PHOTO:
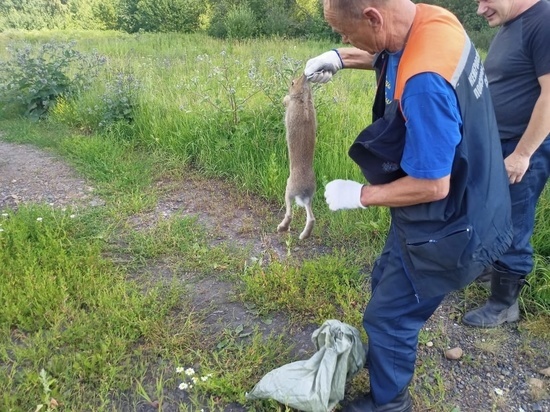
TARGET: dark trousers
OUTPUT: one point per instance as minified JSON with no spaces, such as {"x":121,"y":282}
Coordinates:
{"x":518,"y":259}
{"x":393,"y":318}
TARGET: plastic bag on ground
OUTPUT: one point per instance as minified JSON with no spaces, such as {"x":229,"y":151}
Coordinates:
{"x":316,"y":384}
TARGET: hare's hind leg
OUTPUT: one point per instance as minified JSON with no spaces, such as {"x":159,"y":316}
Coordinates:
{"x":285,"y":224}
{"x":310,"y":220}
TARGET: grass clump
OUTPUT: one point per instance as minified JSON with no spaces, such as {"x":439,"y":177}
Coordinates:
{"x":314,"y":290}
{"x":182,"y":238}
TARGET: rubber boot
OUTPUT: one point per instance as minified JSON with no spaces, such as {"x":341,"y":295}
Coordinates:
{"x":502,"y":305}
{"x":484,"y":279}
{"x":401,"y":403}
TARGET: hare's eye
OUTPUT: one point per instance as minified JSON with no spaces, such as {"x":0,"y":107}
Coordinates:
{"x":293,"y":82}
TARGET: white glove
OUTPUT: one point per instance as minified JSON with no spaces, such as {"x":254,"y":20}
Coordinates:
{"x":321,"y":68}
{"x":343,"y":194}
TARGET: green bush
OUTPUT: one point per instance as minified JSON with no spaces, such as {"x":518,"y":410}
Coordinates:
{"x":37,"y":75}
{"x":482,"y":38}
{"x":466,"y":12}
{"x":169,"y":15}
{"x":119,"y":101}
{"x":33,"y":14}
{"x":240,"y":22}
{"x":106,"y":12}
{"x":127,"y":16}
{"x":315,"y":27}
{"x":276,"y":22}
{"x":217,"y":29}
{"x":110,"y":110}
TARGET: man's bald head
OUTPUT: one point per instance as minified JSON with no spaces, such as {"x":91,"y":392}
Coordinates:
{"x":352,"y":9}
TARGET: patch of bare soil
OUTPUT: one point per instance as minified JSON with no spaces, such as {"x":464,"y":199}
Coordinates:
{"x":30,"y":175}
{"x":495,"y":373}
{"x":241,"y":220}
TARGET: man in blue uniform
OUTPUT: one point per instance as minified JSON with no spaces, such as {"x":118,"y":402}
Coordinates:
{"x":518,"y":69}
{"x":432,"y":155}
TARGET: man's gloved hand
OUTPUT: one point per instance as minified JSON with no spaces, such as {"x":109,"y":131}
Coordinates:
{"x":321,"y":68}
{"x":343,"y":194}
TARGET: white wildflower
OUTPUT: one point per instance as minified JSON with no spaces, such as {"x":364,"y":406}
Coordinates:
{"x":39,"y":219}
{"x":204,"y":378}
{"x":189,"y":371}
{"x":183,"y":386}
{"x":499,"y":391}
{"x":179,"y":369}
{"x":5,"y":215}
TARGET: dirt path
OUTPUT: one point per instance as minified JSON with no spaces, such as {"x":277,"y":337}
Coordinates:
{"x":31,"y":175}
{"x":495,"y":373}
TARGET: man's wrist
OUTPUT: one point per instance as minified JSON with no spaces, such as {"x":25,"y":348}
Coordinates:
{"x":362,"y":197}
{"x":340,"y":57}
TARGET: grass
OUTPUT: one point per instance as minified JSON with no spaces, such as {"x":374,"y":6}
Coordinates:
{"x":67,"y":310}
{"x":328,"y":284}
{"x":98,"y":313}
{"x":90,"y":330}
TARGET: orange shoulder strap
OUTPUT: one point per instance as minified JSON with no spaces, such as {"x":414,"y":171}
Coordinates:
{"x":436,"y":43}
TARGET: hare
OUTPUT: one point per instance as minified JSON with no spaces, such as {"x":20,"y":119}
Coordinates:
{"x":301,"y":127}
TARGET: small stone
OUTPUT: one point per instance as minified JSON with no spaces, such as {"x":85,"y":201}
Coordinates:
{"x":536,"y":407}
{"x":454,"y":353}
{"x":97,"y":202}
{"x":499,"y":391}
{"x":429,"y":344}
{"x":536,"y":383}
{"x":545,"y":372}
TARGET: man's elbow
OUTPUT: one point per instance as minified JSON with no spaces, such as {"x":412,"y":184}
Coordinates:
{"x":440,"y":189}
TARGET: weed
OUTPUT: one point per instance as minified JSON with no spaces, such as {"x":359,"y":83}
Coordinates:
{"x":49,"y":402}
{"x":182,"y":236}
{"x":538,"y":391}
{"x":119,"y":100}
{"x":226,"y":79}
{"x":429,"y":378}
{"x":491,"y":341}
{"x":538,"y":327}
{"x":35,"y":77}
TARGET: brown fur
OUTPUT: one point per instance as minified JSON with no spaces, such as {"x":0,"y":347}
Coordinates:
{"x":301,"y":127}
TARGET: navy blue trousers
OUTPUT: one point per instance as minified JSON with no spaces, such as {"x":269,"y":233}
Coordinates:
{"x":392,"y":319}
{"x":525,"y":195}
